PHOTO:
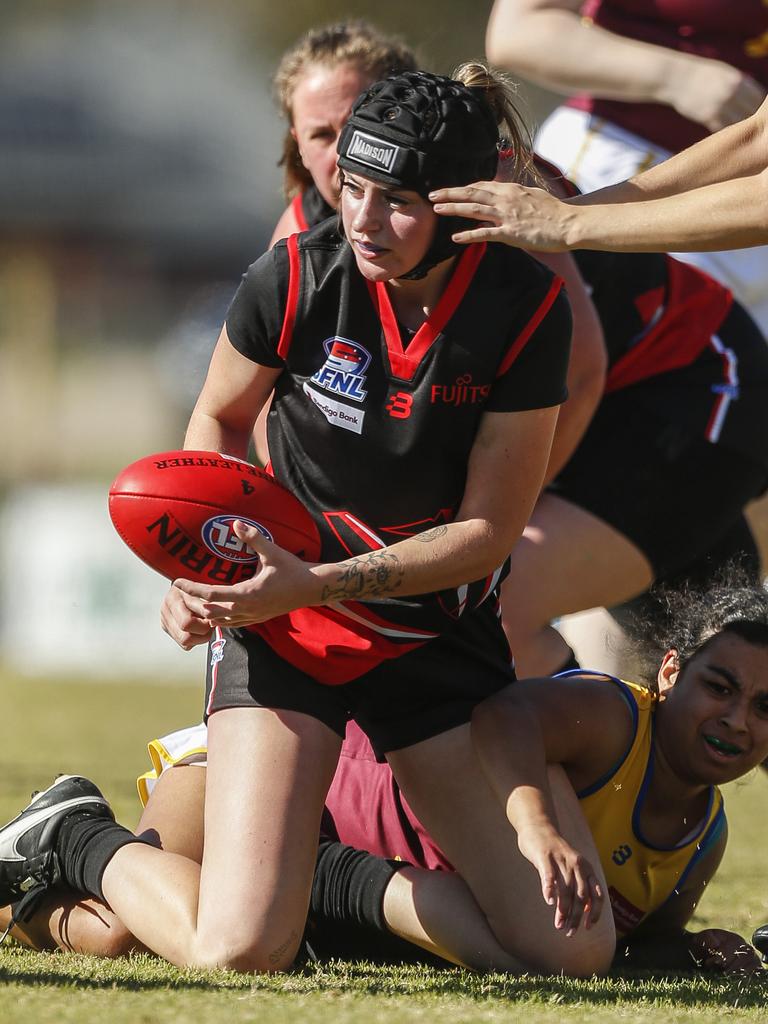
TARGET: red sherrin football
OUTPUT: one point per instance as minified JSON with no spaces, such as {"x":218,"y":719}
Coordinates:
{"x":175,"y":511}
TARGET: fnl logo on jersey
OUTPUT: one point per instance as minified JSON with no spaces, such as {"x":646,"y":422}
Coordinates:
{"x":219,"y":537}
{"x":343,"y":372}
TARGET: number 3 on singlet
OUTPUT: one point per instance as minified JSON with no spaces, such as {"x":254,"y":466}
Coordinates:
{"x":399,"y":405}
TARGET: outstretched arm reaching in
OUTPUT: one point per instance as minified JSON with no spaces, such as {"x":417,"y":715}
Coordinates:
{"x":711,"y":196}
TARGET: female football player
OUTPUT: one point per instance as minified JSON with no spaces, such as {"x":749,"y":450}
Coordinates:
{"x":416,"y":395}
{"x":646,"y":762}
{"x":623,"y":543}
{"x":315,"y":85}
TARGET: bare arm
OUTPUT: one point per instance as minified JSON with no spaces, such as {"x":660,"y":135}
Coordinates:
{"x":504,"y":477}
{"x":586,"y":367}
{"x":547,"y":41}
{"x":732,"y":214}
{"x":233,"y":394}
{"x":713,"y":195}
{"x":516,"y":734}
{"x":727,"y":215}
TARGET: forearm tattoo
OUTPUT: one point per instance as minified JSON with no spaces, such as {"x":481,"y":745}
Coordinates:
{"x":430,"y":535}
{"x":374,"y":575}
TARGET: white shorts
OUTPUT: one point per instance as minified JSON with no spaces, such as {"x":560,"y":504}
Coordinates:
{"x":185,"y":746}
{"x":593,"y":153}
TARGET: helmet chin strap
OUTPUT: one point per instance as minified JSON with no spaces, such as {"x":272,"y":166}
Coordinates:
{"x":442,"y":247}
{"x":419,"y":131}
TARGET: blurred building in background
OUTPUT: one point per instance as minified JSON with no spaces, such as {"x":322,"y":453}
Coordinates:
{"x":138,"y":171}
{"x":138,"y":179}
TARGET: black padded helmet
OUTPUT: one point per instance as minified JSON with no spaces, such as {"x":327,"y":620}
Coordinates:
{"x":419,"y":131}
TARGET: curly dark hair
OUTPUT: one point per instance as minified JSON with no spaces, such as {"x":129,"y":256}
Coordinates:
{"x":684,"y":618}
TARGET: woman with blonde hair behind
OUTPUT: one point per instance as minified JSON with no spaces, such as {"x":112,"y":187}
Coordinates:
{"x":315,"y":85}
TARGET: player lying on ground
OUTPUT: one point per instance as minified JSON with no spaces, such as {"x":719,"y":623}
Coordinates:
{"x":645,"y":762}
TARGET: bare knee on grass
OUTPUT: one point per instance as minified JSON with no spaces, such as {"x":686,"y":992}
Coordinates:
{"x":90,"y":927}
{"x":75,"y":925}
{"x":261,"y":833}
{"x":239,"y":952}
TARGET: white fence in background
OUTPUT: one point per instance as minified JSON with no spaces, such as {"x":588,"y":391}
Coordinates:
{"x":73,"y":599}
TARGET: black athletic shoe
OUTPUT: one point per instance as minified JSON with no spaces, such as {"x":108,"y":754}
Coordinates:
{"x":760,"y":941}
{"x":29,"y":864}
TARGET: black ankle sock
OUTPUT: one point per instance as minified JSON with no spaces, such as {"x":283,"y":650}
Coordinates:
{"x":569,"y":664}
{"x":349,"y":885}
{"x":85,"y":845}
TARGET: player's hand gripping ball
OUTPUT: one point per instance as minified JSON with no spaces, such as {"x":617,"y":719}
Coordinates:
{"x":175,"y":511}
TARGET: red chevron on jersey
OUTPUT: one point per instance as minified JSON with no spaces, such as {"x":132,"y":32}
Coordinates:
{"x":680,"y":320}
{"x":440,"y":518}
{"x":338,"y":643}
{"x":405,"y":362}
{"x":349,"y":531}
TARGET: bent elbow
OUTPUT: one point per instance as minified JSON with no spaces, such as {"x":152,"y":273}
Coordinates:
{"x":505,"y":35}
{"x":504,"y":50}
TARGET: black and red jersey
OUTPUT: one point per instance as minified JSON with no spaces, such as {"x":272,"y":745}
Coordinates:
{"x":671,"y":325}
{"x":372,"y":428}
{"x":309,"y":208}
{"x":657,"y":313}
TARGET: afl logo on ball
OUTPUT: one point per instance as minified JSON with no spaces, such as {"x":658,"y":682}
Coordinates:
{"x":219,"y":537}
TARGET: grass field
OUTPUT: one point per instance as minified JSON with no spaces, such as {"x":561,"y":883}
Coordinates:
{"x":101,"y":730}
